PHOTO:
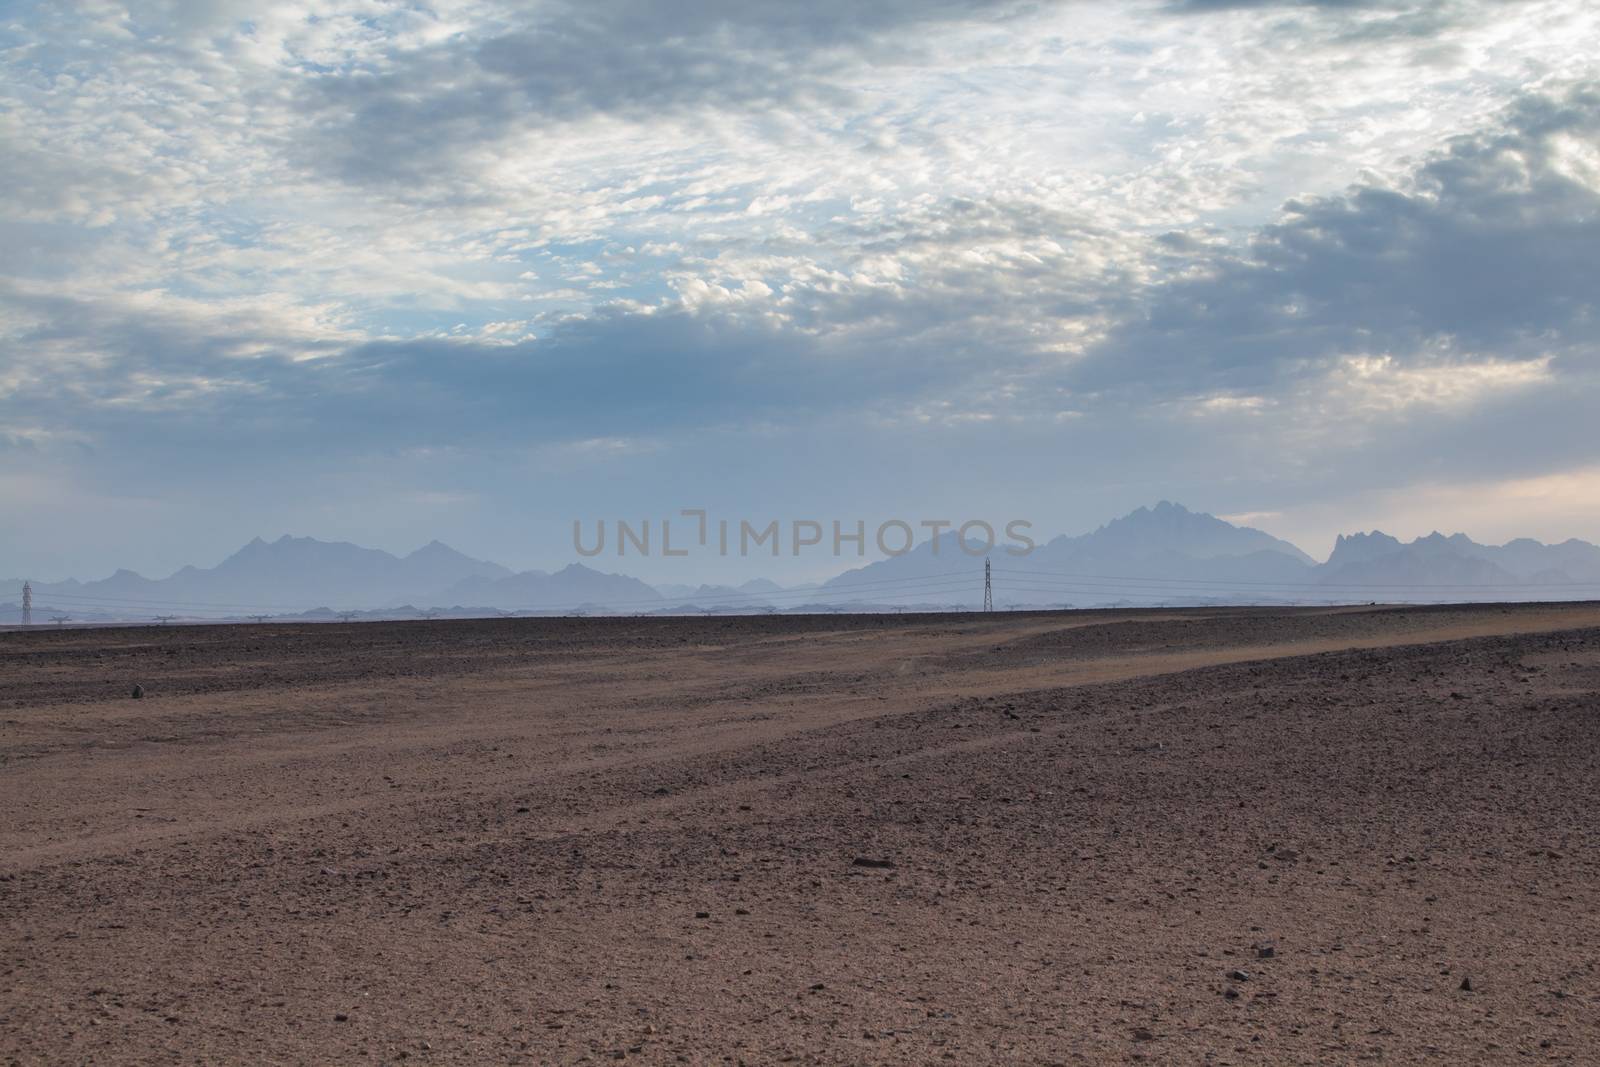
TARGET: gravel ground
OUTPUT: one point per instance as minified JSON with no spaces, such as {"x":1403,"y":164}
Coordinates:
{"x":1173,"y":836}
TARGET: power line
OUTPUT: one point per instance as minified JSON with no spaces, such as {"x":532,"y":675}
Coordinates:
{"x":152,"y":601}
{"x":1308,"y":594}
{"x":931,"y":586}
{"x":887,"y":586}
{"x":1148,"y":580}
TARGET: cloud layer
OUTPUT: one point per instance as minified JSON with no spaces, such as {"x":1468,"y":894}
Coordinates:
{"x":1250,"y":255}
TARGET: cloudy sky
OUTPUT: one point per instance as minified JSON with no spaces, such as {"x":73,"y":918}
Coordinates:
{"x":389,"y":271}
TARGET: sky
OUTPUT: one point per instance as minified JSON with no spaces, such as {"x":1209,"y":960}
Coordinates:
{"x":388,"y":272}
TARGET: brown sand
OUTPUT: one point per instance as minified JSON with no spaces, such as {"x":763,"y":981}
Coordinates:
{"x":664,"y":840}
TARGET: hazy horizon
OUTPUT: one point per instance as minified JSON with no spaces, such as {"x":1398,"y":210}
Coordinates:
{"x":1160,"y":552}
{"x":701,"y":569}
{"x":733,"y":571}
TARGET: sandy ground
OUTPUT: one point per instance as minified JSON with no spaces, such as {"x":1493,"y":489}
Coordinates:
{"x":1241,"y":836}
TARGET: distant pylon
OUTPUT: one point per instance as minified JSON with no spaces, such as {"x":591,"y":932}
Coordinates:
{"x":988,"y":587}
{"x":27,"y":603}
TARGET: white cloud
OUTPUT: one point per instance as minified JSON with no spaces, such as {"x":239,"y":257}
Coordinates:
{"x":1384,"y":385}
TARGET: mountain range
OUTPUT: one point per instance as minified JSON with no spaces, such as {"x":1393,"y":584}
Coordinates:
{"x":1164,"y":554}
{"x":1168,"y":554}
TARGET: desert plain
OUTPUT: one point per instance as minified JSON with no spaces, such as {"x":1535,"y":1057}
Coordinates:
{"x":1203,"y":836}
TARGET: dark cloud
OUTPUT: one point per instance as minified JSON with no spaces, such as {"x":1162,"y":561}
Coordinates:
{"x":1491,"y":249}
{"x":181,"y":383}
{"x":611,"y":374}
{"x":1358,"y":22}
{"x":626,"y":58}
{"x":1236,"y":5}
{"x":427,"y":115}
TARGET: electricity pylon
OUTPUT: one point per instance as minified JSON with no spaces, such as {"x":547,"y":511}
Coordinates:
{"x":988,"y":587}
{"x":27,"y":603}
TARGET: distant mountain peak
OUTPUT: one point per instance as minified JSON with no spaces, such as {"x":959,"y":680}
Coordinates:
{"x":760,"y":585}
{"x":1374,"y":535}
{"x":1162,"y":509}
{"x":435,"y":548}
{"x":1362,"y":547}
{"x":1173,"y":528}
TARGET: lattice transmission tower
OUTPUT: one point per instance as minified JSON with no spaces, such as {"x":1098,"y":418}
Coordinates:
{"x":27,"y":603}
{"x":988,"y":586}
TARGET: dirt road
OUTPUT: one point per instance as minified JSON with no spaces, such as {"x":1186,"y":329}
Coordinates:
{"x":1230,"y":836}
